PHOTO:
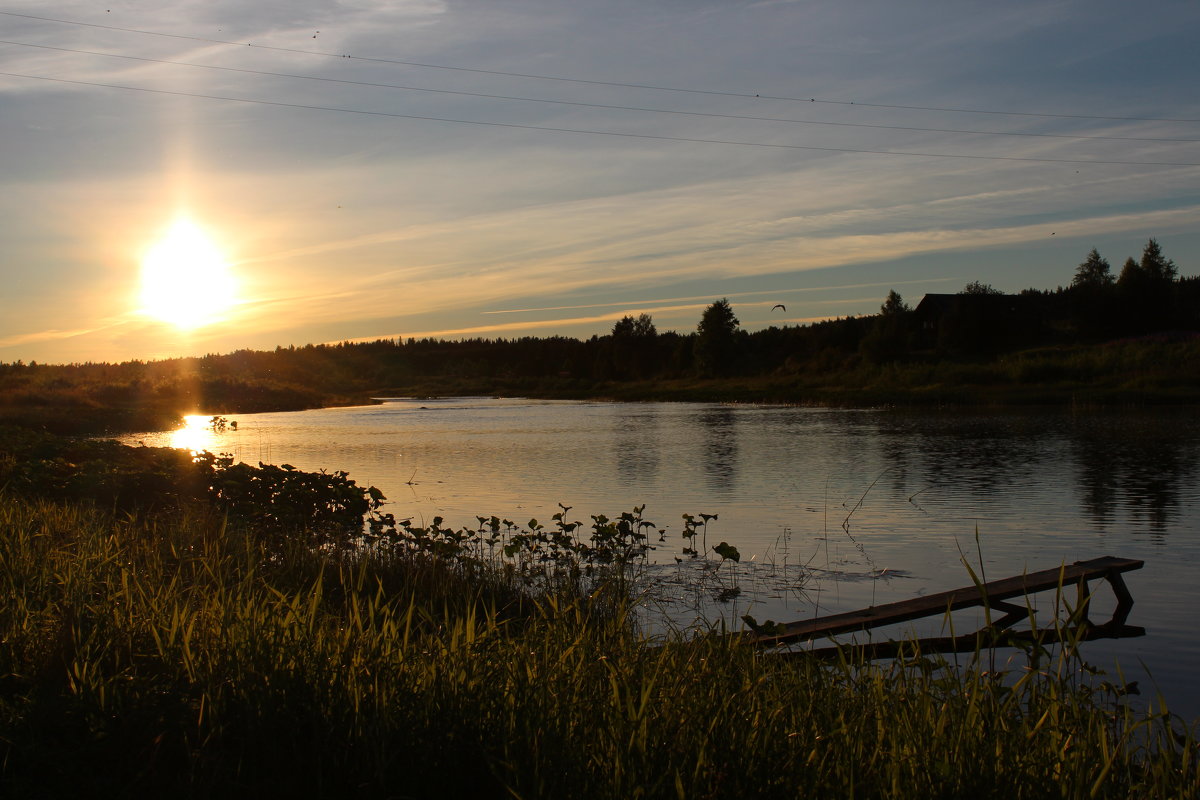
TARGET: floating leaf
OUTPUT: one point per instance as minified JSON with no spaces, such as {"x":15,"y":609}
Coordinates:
{"x":727,"y":552}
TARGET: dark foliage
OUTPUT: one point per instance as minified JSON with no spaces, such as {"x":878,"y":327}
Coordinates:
{"x":276,"y":499}
{"x":717,"y":340}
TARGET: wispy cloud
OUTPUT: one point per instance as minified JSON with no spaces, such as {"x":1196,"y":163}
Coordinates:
{"x":52,"y":335}
{"x":567,"y":273}
{"x":774,"y":293}
{"x":563,"y":323}
{"x":58,"y":335}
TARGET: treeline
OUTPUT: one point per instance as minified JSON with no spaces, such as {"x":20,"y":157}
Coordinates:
{"x":978,"y":325}
{"x":1146,"y":297}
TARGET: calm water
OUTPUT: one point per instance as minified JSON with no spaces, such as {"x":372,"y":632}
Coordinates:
{"x":831,"y":509}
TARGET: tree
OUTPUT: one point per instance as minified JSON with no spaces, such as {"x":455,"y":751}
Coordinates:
{"x":624,"y":328}
{"x":1146,"y":289}
{"x":975,"y":287}
{"x":643,"y":327}
{"x":894,"y":304}
{"x":716,"y":339}
{"x":1155,"y":266}
{"x":1092,"y":298}
{"x":1131,"y":273}
{"x":1094,"y":272}
{"x":640,"y":328}
{"x":633,"y":343}
{"x":888,"y":339}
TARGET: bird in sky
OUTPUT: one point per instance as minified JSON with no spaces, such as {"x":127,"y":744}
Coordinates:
{"x":780,"y":306}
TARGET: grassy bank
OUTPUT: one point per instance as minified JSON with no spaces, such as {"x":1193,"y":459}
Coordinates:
{"x":153,"y":655}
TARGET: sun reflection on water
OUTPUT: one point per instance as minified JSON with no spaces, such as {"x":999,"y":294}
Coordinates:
{"x":197,"y":434}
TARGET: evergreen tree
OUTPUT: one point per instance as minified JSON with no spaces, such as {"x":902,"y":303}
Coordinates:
{"x":1094,"y":272}
{"x":1146,"y":289}
{"x":1131,"y":273}
{"x":1155,"y":266}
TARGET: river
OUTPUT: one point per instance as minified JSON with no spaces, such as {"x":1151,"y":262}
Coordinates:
{"x":830,"y":509}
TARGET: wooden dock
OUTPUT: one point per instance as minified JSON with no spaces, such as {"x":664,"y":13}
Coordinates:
{"x":991,"y":595}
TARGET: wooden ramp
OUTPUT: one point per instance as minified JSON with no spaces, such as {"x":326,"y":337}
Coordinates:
{"x":991,"y":595}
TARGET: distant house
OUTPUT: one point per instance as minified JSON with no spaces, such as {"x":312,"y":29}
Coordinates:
{"x":976,"y":323}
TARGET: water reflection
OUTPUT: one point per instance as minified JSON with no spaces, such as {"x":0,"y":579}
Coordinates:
{"x":897,"y":454}
{"x":636,"y":446}
{"x":196,"y":434}
{"x":1131,"y":467}
{"x":720,"y":457}
{"x":1108,"y":469}
{"x":988,"y":456}
{"x":1139,"y":466}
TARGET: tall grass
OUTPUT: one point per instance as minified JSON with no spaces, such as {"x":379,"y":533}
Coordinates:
{"x":181,"y":656}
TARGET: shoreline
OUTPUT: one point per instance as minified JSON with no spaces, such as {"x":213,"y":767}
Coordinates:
{"x":116,"y":421}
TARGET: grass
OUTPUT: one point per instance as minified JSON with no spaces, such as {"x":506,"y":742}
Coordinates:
{"x":153,"y":655}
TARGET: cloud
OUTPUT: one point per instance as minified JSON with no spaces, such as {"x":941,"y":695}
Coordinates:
{"x":566,"y":324}
{"x":57,"y":334}
{"x":51,"y":335}
{"x":782,"y":291}
{"x":500,"y":328}
{"x":339,"y":221}
{"x":591,"y":265}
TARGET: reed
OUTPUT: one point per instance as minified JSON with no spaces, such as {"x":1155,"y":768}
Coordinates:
{"x":182,"y":655}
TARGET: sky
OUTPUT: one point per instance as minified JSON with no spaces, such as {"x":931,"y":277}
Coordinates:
{"x":311,"y":171}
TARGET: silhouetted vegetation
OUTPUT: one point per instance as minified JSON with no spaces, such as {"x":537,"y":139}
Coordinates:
{"x":1131,"y":339}
{"x":717,"y":341}
{"x":168,"y":641}
{"x":278,"y":499}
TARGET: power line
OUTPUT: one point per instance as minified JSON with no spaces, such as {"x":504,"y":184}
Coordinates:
{"x":534,"y":76}
{"x":746,"y":117}
{"x":591,"y":132}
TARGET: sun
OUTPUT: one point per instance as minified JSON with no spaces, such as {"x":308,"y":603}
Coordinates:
{"x":185,"y":278}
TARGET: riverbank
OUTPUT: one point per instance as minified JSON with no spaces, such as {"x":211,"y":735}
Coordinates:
{"x":192,"y":655}
{"x":1150,"y":371}
{"x":1155,"y":370}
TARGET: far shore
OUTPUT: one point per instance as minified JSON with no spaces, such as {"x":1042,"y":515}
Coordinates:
{"x":98,"y":422}
{"x":1153,"y":371}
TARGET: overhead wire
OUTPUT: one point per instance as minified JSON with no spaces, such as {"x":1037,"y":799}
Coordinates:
{"x":587,"y":131}
{"x":535,"y":76}
{"x":606,"y":106}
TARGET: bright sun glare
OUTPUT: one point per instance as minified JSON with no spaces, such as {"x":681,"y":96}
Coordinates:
{"x":195,"y":435}
{"x":185,"y":280}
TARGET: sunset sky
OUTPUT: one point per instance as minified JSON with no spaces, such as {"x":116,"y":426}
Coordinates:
{"x":309,"y":171}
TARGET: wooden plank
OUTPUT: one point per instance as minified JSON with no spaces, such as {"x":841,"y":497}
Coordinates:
{"x":969,"y":642}
{"x":992,"y":594}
